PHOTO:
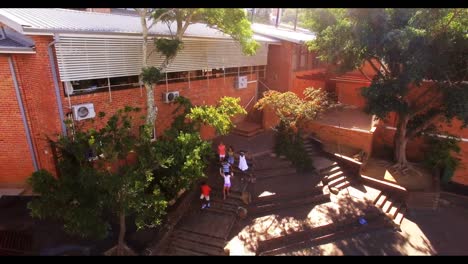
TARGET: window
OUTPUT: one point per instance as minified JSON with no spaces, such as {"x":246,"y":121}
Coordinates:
{"x":101,"y":85}
{"x":303,"y":60}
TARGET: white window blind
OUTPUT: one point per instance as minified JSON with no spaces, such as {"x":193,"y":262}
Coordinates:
{"x":81,"y":58}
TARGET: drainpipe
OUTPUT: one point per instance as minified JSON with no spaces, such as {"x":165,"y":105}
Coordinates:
{"x":295,"y":19}
{"x":56,"y":84}
{"x":23,"y":116}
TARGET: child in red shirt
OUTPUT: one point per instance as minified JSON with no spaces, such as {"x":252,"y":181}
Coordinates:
{"x":221,"y":151}
{"x":205,"y":195}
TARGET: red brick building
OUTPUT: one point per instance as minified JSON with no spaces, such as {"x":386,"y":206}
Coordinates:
{"x":73,"y":64}
{"x":348,"y":130}
{"x":61,"y":60}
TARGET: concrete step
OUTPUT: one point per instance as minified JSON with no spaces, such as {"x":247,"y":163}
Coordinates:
{"x":250,"y":132}
{"x":268,"y":208}
{"x":337,"y":180}
{"x":399,"y":218}
{"x":272,"y":176}
{"x":377,"y":198}
{"x":182,"y":243}
{"x":343,"y":185}
{"x":392,"y":213}
{"x":321,"y":235}
{"x":381,"y":201}
{"x":328,"y":168}
{"x":285,"y":197}
{"x":199,"y":238}
{"x":329,"y":171}
{"x":274,"y":172}
{"x":387,"y":206}
{"x":334,"y":177}
{"x":183,"y":252}
{"x":221,"y":211}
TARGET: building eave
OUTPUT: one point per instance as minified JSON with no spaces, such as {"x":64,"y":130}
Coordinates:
{"x":16,"y":50}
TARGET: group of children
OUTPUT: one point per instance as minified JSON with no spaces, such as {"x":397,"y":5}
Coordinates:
{"x":226,"y":171}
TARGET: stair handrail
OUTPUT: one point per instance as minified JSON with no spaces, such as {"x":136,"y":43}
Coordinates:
{"x":264,"y":84}
{"x":251,"y":99}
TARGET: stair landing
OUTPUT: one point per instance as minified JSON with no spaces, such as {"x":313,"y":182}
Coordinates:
{"x":247,"y":129}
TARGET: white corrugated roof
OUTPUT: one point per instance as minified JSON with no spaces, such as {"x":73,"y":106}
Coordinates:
{"x":283,"y":33}
{"x":46,"y":20}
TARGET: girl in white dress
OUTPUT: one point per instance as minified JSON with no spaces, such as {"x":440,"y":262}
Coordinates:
{"x":243,"y":162}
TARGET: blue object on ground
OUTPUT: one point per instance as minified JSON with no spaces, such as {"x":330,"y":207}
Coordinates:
{"x":362,"y":221}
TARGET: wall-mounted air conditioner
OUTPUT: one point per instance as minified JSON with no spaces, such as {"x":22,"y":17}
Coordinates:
{"x":170,"y":96}
{"x":83,"y":111}
{"x":241,"y":82}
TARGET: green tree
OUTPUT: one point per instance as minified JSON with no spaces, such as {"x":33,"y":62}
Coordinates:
{"x":294,"y":113}
{"x":291,"y":109}
{"x":405,"y":47}
{"x":231,"y":21}
{"x":439,"y":156}
{"x":97,"y":179}
{"x":218,"y":116}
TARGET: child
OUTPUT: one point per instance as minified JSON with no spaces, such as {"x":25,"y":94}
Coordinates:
{"x":231,"y":155}
{"x":243,"y":162}
{"x":205,"y":195}
{"x":227,"y":183}
{"x":221,"y":151}
{"x":225,"y":166}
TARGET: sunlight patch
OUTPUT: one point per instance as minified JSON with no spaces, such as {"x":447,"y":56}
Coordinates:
{"x":266,"y":193}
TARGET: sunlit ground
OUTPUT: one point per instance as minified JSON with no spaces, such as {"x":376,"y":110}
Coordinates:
{"x":411,"y":241}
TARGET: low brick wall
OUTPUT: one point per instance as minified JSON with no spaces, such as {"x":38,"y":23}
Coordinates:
{"x":359,"y":139}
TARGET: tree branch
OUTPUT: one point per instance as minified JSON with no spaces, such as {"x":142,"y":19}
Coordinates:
{"x":423,"y":126}
{"x":444,"y":28}
{"x":184,"y":28}
{"x":382,"y":65}
{"x":155,"y":20}
{"x":426,"y":104}
{"x":375,"y":68}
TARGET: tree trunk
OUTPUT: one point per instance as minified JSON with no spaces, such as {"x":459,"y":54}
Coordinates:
{"x":121,"y":241}
{"x":152,"y":109}
{"x":401,"y":140}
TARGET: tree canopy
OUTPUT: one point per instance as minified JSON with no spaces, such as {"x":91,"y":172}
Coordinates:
{"x":419,"y":48}
{"x":292,"y":110}
{"x":231,"y":21}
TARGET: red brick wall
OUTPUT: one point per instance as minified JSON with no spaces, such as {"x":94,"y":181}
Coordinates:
{"x":200,"y":92}
{"x":279,"y":70}
{"x":415,"y":149}
{"x":37,"y":87}
{"x":15,"y":158}
{"x":35,"y":78}
{"x":350,"y":93}
{"x":270,"y":119}
{"x":306,"y":79}
{"x":347,"y":137}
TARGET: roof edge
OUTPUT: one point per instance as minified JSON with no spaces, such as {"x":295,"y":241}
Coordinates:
{"x":16,"y":50}
{"x":10,"y":23}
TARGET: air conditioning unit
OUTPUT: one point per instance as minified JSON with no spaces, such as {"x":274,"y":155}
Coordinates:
{"x":241,"y":82}
{"x":170,"y":96}
{"x":83,"y":111}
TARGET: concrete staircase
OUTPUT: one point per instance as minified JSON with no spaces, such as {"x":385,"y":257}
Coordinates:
{"x":335,"y":178}
{"x":392,"y":207}
{"x":311,"y":237}
{"x":186,"y":242}
{"x":266,"y":205}
{"x":247,"y":129}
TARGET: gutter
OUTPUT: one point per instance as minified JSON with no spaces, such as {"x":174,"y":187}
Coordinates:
{"x":23,"y":116}
{"x":17,"y":50}
{"x":56,"y":84}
